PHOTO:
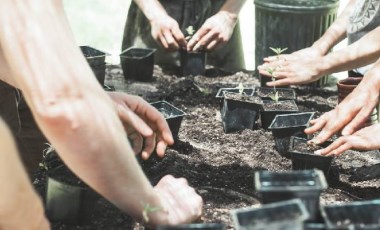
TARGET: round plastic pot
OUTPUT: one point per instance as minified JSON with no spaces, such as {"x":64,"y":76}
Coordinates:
{"x":268,"y":114}
{"x":307,"y":159}
{"x":304,"y":184}
{"x":69,"y":204}
{"x":285,"y":215}
{"x":238,"y":115}
{"x":172,"y":114}
{"x":284,"y":93}
{"x":355,"y":215}
{"x":292,"y":24}
{"x":208,"y":226}
{"x":138,"y":63}
{"x":192,"y":63}
{"x":286,"y":125}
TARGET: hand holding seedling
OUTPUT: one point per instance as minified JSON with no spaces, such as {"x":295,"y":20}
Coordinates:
{"x":166,"y":32}
{"x":141,"y":120}
{"x":216,"y":31}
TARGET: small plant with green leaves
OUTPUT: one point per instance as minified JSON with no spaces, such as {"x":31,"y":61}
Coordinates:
{"x":278,"y":51}
{"x":275,"y":97}
{"x":241,"y":89}
{"x":147,"y":209}
{"x":190,"y":32}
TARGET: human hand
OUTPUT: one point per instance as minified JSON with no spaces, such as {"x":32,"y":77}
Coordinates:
{"x":166,"y":32}
{"x":307,"y":53}
{"x":180,"y":203}
{"x":349,"y":115}
{"x":140,"y":118}
{"x":216,"y":30}
{"x":364,"y":139}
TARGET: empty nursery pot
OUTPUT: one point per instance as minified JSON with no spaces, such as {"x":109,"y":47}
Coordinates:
{"x":345,"y":87}
{"x":173,"y":116}
{"x":221,"y":91}
{"x":208,"y":226}
{"x":304,"y":184}
{"x":355,"y":215}
{"x":287,"y":125}
{"x":272,"y":108}
{"x":96,"y":60}
{"x":285,"y":215}
{"x":239,"y":112}
{"x":266,"y":93}
{"x":303,"y":157}
{"x":68,"y":200}
{"x":138,"y":63}
{"x":192,"y":63}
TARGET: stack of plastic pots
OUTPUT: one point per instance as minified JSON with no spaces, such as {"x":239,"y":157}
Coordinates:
{"x":304,"y":184}
{"x":97,"y":61}
{"x":138,"y":63}
{"x":285,"y":215}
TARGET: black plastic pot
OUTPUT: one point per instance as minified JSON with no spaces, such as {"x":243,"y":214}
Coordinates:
{"x":285,"y":215}
{"x":67,"y":203}
{"x":287,"y":125}
{"x":355,"y":215}
{"x":284,"y":93}
{"x":314,"y":226}
{"x":273,"y":108}
{"x":239,"y":112}
{"x":96,"y":60}
{"x":138,"y":63}
{"x":306,"y":159}
{"x":304,"y":184}
{"x":173,"y":116}
{"x":192,"y":63}
{"x":221,"y":91}
{"x":208,"y":226}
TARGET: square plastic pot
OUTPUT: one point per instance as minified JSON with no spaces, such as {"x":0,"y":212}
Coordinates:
{"x":207,"y":226}
{"x":221,"y":91}
{"x":138,"y":63}
{"x":285,"y":215}
{"x":284,"y":93}
{"x":96,"y":60}
{"x":314,"y":226}
{"x":272,"y":108}
{"x":192,"y":63}
{"x":172,"y":114}
{"x":304,"y":184}
{"x":355,"y":215}
{"x":239,"y":112}
{"x":306,"y":159}
{"x":287,"y":125}
{"x":67,"y":203}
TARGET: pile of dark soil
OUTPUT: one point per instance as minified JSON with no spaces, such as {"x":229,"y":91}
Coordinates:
{"x":220,"y":166}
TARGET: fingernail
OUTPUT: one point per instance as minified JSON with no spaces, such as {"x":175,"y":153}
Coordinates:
{"x":318,"y":152}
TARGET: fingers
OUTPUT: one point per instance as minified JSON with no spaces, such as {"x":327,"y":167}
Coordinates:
{"x":150,"y":144}
{"x":136,"y":142}
{"x":357,"y":122}
{"x":179,"y":37}
{"x":317,"y":124}
{"x":196,"y":38}
{"x":337,"y":147}
{"x":129,"y":117}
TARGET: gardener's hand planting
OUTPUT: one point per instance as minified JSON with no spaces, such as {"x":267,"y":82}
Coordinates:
{"x":364,"y":139}
{"x":140,"y":118}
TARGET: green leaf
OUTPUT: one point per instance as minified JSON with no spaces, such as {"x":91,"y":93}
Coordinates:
{"x":190,"y":30}
{"x":241,"y":88}
{"x":275,"y":97}
{"x":278,"y":51}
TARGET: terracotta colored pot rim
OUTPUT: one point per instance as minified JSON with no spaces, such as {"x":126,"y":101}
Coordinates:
{"x":350,"y":82}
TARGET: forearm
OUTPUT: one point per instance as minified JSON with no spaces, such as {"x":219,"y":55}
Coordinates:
{"x":21,"y":208}
{"x":336,"y":32}
{"x":152,"y":9}
{"x":363,"y":52}
{"x":68,"y":104}
{"x":232,"y":8}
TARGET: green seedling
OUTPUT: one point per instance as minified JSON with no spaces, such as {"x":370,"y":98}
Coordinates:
{"x":278,"y":51}
{"x":241,"y":88}
{"x":275,"y":97}
{"x":147,"y":209}
{"x":190,"y":31}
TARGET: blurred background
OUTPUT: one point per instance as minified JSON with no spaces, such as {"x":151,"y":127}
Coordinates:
{"x":100,"y":24}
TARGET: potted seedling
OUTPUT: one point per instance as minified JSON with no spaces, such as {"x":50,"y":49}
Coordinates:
{"x":138,"y":63}
{"x":278,"y":52}
{"x":173,"y":116}
{"x":239,"y":111}
{"x":304,"y":184}
{"x":97,"y":61}
{"x":286,"y":125}
{"x":354,"y":215}
{"x":68,"y":199}
{"x":249,"y":91}
{"x":267,"y":93}
{"x":284,"y":215}
{"x":192,"y":62}
{"x":274,"y":107}
{"x":302,"y":154}
{"x":203,"y":226}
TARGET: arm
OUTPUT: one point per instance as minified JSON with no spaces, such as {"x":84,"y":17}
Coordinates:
{"x":75,"y":114}
{"x":218,"y":29}
{"x":352,"y":112}
{"x":165,"y":30}
{"x":18,"y":201}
